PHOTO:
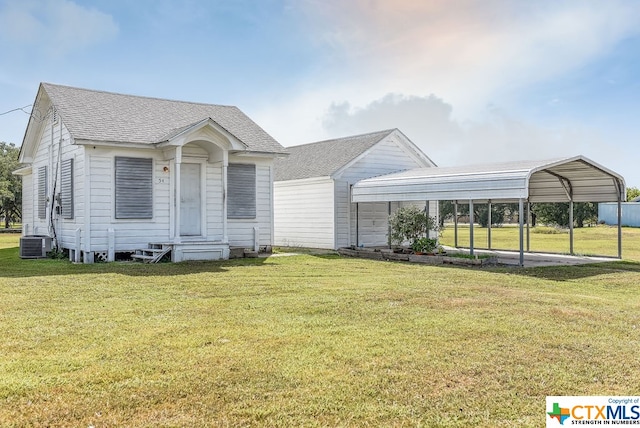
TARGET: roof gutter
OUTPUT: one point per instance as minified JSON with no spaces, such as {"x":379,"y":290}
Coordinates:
{"x":95,"y":143}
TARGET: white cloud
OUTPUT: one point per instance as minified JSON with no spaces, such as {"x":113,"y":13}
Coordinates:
{"x":53,"y":27}
{"x":470,"y":54}
{"x":428,"y":122}
{"x":466,"y":51}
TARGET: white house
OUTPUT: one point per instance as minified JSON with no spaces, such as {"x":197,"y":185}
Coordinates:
{"x":108,"y":173}
{"x":312,"y":190}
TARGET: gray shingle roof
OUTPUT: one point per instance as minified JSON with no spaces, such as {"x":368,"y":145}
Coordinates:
{"x":324,"y":158}
{"x":111,"y":117}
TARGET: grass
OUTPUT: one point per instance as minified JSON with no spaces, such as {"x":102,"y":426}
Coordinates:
{"x":309,"y":340}
{"x":600,"y":240}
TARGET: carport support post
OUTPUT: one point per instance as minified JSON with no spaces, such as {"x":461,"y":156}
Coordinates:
{"x":521,"y":220}
{"x":489,"y":224}
{"x":471,"y":227}
{"x":571,"y":227}
{"x":455,"y":224}
{"x":528,"y":222}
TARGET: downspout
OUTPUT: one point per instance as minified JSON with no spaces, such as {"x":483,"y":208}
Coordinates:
{"x":55,"y":179}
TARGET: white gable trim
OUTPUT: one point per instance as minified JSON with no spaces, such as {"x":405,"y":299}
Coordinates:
{"x":404,"y":143}
{"x":207,"y":130}
{"x":35,"y":126}
{"x":413,"y":150}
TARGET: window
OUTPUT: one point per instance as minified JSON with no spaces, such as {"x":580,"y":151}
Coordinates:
{"x":42,"y":192}
{"x":66,"y":188}
{"x":134,"y":188}
{"x":241,"y":191}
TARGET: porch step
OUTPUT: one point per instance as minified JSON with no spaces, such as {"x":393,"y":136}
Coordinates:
{"x":153,"y":254}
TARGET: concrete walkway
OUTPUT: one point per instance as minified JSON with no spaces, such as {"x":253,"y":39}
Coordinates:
{"x":536,"y":259}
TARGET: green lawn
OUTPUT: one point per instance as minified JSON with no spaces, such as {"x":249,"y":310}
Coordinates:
{"x":308,"y":340}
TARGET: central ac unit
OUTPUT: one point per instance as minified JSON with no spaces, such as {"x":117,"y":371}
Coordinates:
{"x":34,"y":247}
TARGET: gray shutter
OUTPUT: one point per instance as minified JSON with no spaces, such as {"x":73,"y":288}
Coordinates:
{"x":42,"y":192}
{"x":241,"y":191}
{"x":134,"y":187}
{"x":66,"y":188}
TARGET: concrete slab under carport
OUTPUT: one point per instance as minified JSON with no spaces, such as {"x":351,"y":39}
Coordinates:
{"x":512,"y":258}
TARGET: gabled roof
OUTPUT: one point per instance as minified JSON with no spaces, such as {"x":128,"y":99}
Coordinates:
{"x":117,"y":118}
{"x":554,"y":180}
{"x":326,"y":158}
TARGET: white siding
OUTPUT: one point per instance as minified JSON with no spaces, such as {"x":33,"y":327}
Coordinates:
{"x":373,"y":221}
{"x":304,"y":213}
{"x":93,"y":195}
{"x":66,"y":227}
{"x":344,"y":211}
{"x":54,"y":146}
{"x":130,"y":234}
{"x":43,"y":157}
{"x":373,"y":224}
{"x":241,"y":231}
{"x":27,"y":201}
{"x":385,"y":157}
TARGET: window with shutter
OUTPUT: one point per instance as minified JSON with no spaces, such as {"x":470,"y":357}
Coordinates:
{"x":42,"y":192}
{"x":134,"y":188}
{"x":66,"y":188}
{"x":241,"y":191}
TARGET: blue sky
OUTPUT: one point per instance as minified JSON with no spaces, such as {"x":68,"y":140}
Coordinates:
{"x":467,"y":81}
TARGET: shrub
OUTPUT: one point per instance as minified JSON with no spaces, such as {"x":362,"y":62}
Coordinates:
{"x":411,"y":223}
{"x":424,"y":245}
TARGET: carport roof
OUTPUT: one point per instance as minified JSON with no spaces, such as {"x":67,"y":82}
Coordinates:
{"x":556,"y":180}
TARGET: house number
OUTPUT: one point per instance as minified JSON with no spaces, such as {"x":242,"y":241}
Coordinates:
{"x":161,"y":180}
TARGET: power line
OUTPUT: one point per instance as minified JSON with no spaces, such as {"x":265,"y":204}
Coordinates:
{"x":16,"y":109}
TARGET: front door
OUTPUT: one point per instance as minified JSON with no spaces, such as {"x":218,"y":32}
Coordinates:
{"x":190,"y":200}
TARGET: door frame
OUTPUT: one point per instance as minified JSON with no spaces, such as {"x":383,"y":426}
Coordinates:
{"x":203,"y":200}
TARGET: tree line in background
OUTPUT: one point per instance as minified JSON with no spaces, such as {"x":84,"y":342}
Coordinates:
{"x":10,"y":185}
{"x":552,"y":214}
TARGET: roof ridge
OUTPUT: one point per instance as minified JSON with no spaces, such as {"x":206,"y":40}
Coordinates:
{"x":385,"y":132}
{"x":98,"y":115}
{"x":135,"y":96}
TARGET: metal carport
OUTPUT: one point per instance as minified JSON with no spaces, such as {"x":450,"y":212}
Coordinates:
{"x":574,"y":179}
